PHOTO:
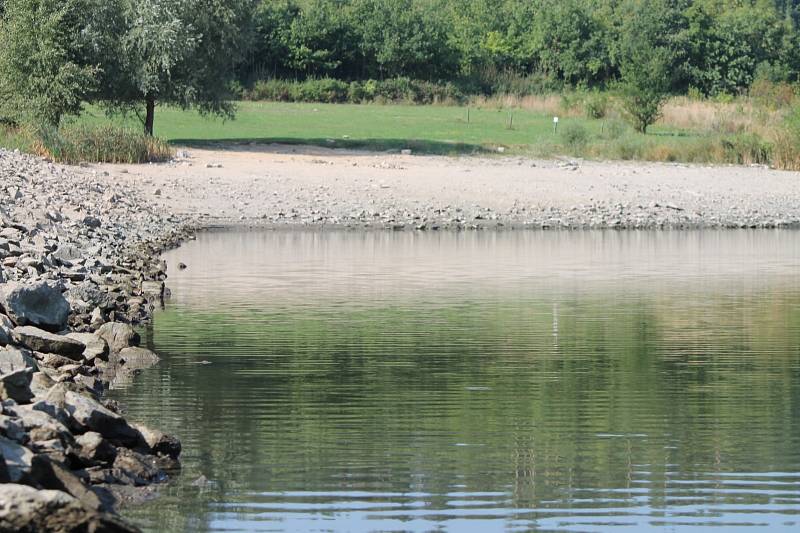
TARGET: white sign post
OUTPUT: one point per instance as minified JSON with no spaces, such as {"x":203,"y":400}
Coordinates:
{"x":555,"y":124}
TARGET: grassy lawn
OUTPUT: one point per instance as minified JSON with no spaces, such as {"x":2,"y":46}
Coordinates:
{"x":429,"y":129}
{"x":692,"y":132}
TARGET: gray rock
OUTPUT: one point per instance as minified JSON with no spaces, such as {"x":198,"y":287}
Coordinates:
{"x":118,"y":336}
{"x":43,"y":341}
{"x":17,"y":386}
{"x":12,"y":358}
{"x":26,"y":510}
{"x":94,"y":449}
{"x":159,"y":442}
{"x":18,"y":459}
{"x":88,"y":294}
{"x":12,"y":428}
{"x":41,"y":383}
{"x":136,"y":358}
{"x":67,"y":252}
{"x":96,"y":346}
{"x":5,"y":330}
{"x":36,"y":304}
{"x":41,"y":426}
{"x":137,"y":468}
{"x":52,"y":360}
{"x":50,"y":475}
{"x":92,"y":416}
{"x":92,"y":222}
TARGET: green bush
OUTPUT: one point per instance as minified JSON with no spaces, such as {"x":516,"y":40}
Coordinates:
{"x":332,"y":91}
{"x":595,"y":104}
{"x":575,"y":136}
{"x":325,"y":90}
{"x":614,"y":129}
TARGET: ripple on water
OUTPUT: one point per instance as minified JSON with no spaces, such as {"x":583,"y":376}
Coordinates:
{"x":479,"y":382}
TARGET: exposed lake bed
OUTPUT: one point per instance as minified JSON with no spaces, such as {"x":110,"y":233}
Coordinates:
{"x":478,"y":381}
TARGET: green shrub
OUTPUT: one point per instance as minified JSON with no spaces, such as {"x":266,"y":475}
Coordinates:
{"x":595,"y":104}
{"x":575,"y":135}
{"x":332,"y":91}
{"x":325,"y":90}
{"x":614,"y":129}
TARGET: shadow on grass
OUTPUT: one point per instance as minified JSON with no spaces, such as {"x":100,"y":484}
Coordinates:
{"x":371,"y":145}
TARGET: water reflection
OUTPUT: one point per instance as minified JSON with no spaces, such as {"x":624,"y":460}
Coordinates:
{"x":479,"y":382}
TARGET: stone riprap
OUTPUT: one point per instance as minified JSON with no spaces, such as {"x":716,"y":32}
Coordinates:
{"x":80,"y":265}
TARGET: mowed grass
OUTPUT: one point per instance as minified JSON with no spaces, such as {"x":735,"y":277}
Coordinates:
{"x":428,"y":129}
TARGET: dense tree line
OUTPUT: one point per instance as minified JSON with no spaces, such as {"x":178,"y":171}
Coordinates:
{"x":715,"y":46}
{"x":132,"y":54}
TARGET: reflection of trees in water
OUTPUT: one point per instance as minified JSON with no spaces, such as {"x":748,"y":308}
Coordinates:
{"x":635,"y":393}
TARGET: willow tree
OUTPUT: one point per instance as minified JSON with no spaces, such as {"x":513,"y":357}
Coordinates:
{"x":48,"y":66}
{"x":177,"y":52}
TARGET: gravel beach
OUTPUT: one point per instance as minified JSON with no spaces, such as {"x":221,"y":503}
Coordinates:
{"x":285,"y":185}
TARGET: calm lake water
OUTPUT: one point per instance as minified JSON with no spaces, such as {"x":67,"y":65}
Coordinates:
{"x":478,"y":382}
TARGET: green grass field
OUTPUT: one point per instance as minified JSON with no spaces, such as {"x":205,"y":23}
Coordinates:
{"x":424,"y":129}
{"x":428,"y":129}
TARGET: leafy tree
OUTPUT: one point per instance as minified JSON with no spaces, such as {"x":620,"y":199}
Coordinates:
{"x":178,"y":52}
{"x":648,"y":56}
{"x":406,"y":36}
{"x":46,"y":49}
{"x":569,"y":42}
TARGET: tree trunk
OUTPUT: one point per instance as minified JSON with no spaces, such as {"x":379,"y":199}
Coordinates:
{"x":150,"y":117}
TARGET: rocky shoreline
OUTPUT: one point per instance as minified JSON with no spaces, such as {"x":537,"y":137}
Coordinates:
{"x":80,"y":266}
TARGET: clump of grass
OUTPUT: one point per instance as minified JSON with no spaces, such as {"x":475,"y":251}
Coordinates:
{"x":614,"y":129}
{"x":104,"y":144}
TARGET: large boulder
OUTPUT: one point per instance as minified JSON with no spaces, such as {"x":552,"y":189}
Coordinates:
{"x":27,"y":510}
{"x":96,"y":346}
{"x":92,"y":416}
{"x":18,"y":460}
{"x":94,"y":449}
{"x":37,"y":304}
{"x":135,"y":358}
{"x":40,"y":340}
{"x":12,"y":359}
{"x":118,"y":336}
{"x":16,"y":386}
{"x":42,"y":426}
{"x":50,"y":475}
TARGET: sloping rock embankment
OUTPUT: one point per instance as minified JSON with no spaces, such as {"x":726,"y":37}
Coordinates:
{"x":80,"y":266}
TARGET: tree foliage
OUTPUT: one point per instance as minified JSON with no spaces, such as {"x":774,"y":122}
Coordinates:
{"x":46,"y":67}
{"x":135,"y":54}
